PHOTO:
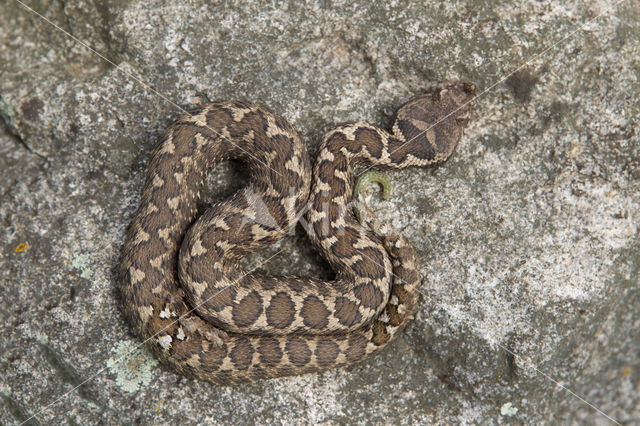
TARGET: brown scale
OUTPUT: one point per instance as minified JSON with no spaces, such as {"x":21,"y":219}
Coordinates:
{"x":257,"y":326}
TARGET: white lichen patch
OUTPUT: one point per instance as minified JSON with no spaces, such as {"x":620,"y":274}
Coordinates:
{"x":165,"y":342}
{"x":41,"y":338}
{"x":180,"y":335}
{"x":165,"y":313}
{"x":508,"y":409}
{"x":132,"y":366}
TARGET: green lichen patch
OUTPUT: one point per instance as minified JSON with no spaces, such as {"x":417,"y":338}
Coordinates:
{"x":132,"y":365}
{"x":82,"y":263}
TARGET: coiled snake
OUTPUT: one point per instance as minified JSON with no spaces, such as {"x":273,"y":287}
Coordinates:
{"x":183,"y":289}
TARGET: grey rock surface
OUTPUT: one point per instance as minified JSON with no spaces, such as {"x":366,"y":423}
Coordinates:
{"x":528,"y":236}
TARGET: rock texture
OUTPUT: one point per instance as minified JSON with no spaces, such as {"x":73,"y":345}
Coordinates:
{"x":528,"y":236}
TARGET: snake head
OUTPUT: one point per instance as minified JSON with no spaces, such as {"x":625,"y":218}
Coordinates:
{"x":430,"y":125}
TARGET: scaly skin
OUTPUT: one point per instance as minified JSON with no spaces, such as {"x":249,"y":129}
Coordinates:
{"x":183,"y":290}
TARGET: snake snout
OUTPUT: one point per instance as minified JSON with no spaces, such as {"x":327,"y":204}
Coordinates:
{"x":462,"y":96}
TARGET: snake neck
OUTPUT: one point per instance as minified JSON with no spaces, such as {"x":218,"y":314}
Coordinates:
{"x":343,"y":150}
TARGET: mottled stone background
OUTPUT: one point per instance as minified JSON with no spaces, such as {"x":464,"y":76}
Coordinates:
{"x":528,"y":236}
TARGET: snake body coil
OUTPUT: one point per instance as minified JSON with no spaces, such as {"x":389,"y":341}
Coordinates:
{"x":183,"y":289}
